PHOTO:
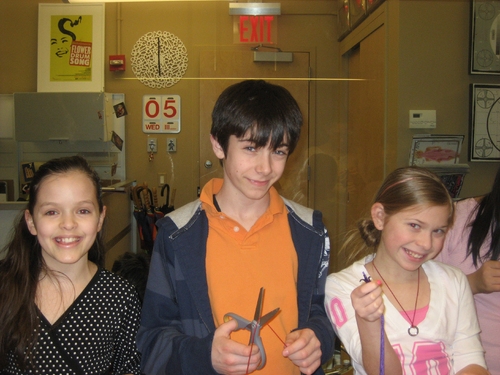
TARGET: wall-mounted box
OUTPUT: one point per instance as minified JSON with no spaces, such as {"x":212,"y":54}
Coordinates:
{"x":423,"y":119}
{"x":67,"y":116}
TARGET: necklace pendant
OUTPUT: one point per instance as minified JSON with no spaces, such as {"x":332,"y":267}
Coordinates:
{"x":413,"y":331}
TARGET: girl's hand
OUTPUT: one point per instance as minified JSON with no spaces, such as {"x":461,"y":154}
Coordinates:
{"x":486,"y":279}
{"x":367,"y":301}
{"x":369,"y":306}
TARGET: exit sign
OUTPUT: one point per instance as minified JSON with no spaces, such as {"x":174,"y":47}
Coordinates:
{"x":255,"y":29}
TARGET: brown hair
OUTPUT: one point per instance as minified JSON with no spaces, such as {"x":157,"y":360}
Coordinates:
{"x":402,"y":189}
{"x":23,"y":263}
{"x":269,"y":111}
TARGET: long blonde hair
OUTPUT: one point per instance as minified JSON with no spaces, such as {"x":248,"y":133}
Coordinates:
{"x":403,"y":188}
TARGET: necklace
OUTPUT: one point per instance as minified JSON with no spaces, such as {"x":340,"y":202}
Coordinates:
{"x":413,"y":330}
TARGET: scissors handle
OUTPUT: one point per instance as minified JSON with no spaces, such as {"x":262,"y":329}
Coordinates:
{"x":254,"y":329}
{"x":257,"y":340}
{"x":242,"y":322}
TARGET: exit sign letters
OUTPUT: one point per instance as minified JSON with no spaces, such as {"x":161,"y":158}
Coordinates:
{"x":256,"y":29}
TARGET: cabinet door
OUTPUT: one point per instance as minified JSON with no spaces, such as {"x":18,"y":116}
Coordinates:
{"x":60,"y":116}
{"x":366,"y":125}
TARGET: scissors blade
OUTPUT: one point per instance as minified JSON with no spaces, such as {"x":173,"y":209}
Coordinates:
{"x":258,"y":307}
{"x":266,"y":318}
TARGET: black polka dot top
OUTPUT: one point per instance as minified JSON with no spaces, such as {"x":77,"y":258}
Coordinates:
{"x":96,"y":335}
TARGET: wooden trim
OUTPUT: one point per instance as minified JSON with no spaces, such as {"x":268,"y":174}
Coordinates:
{"x":372,"y":23}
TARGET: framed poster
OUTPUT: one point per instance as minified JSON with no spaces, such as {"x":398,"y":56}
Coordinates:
{"x":484,"y":134}
{"x":435,"y":149}
{"x":70,"y":48}
{"x":485,"y":37}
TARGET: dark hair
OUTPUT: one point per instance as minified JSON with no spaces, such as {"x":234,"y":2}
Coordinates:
{"x":269,"y":111}
{"x":23,"y":264}
{"x":487,"y":220}
{"x":133,"y":267}
{"x":402,"y":189}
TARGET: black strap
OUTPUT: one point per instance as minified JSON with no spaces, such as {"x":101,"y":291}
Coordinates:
{"x":216,"y":204}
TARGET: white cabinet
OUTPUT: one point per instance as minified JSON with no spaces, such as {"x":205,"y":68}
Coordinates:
{"x":50,"y":125}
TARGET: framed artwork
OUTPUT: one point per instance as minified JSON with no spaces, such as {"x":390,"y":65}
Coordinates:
{"x":435,"y":149}
{"x":485,"y":37}
{"x":70,"y":48}
{"x":484,"y":134}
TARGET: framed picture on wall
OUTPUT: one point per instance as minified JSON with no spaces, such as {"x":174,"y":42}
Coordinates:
{"x":70,"y":48}
{"x":485,"y":37}
{"x":484,"y":134}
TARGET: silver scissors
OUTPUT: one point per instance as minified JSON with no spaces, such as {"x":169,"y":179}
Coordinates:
{"x":255,"y":325}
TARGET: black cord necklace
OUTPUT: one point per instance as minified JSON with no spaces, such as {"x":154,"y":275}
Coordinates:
{"x":413,"y":330}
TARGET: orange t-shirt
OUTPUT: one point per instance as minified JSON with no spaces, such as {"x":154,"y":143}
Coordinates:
{"x":240,"y":262}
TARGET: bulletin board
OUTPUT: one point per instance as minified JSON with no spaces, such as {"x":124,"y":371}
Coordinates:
{"x":484,"y":134}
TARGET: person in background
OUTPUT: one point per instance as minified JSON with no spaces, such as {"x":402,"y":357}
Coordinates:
{"x":133,"y":267}
{"x":473,"y":245}
{"x":425,"y":307}
{"x":212,"y":256}
{"x":61,"y":312}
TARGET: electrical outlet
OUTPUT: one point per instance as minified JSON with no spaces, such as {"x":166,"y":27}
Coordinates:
{"x":152,"y":145}
{"x":161,"y":179}
{"x":171,"y":144}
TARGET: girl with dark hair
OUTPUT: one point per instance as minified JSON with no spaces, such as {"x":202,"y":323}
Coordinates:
{"x":473,"y":245}
{"x":413,"y":315}
{"x":60,"y":311}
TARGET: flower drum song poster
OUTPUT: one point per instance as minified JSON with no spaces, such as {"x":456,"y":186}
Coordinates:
{"x":70,"y":47}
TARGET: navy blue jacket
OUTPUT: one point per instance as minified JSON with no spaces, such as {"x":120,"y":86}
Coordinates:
{"x":177,"y":325}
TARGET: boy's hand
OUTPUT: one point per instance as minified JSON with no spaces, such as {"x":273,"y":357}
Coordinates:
{"x":230,"y":357}
{"x":367,"y":301}
{"x":304,"y":350}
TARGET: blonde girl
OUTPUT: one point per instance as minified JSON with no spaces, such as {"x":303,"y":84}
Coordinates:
{"x":419,"y":312}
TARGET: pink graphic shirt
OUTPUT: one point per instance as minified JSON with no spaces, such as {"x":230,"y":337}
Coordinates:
{"x":448,"y":338}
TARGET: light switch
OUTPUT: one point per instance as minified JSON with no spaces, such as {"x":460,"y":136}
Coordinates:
{"x":422,"y":119}
{"x":171,"y":144}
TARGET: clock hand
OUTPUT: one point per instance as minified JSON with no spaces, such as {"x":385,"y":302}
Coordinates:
{"x":159,"y":54}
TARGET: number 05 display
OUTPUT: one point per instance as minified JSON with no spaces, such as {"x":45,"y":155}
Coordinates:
{"x":161,"y":113}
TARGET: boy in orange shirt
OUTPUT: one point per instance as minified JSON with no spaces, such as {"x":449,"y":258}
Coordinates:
{"x":213,"y":255}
